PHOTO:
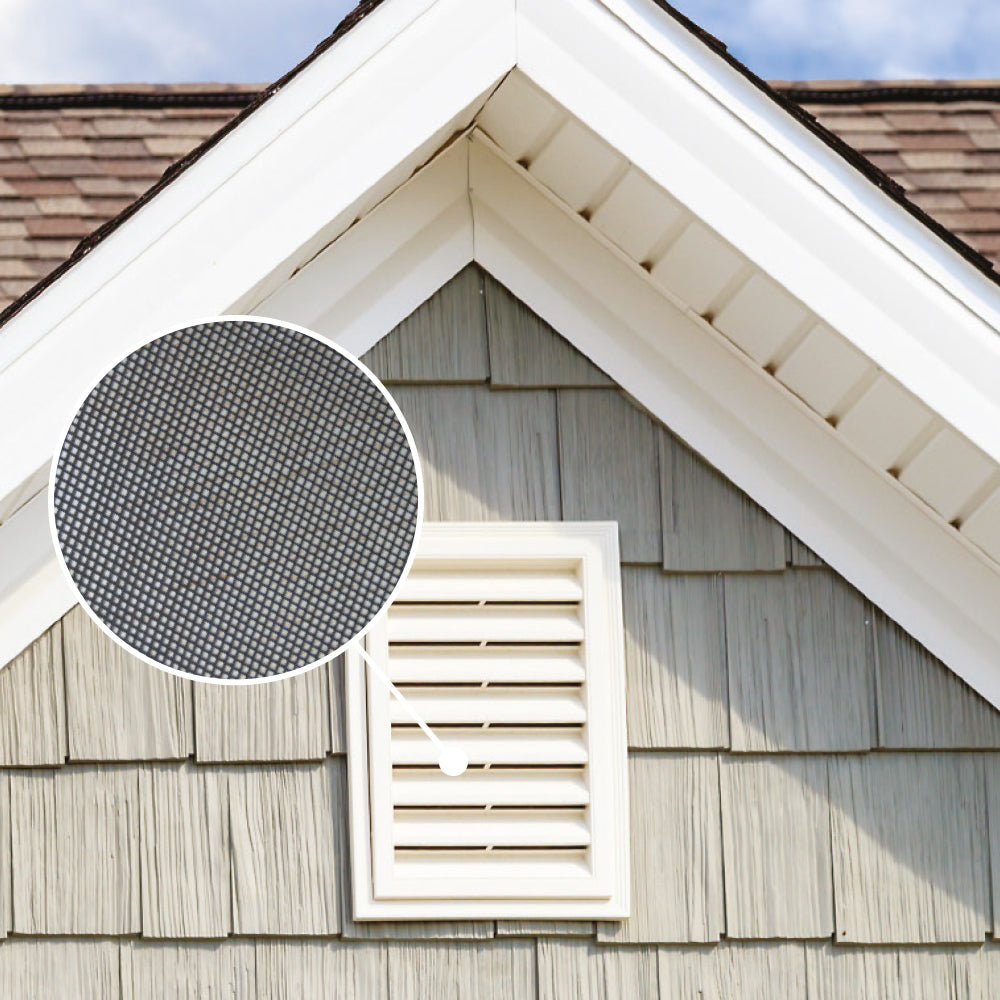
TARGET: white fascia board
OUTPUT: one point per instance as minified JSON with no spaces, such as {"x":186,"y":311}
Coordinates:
{"x":251,"y":204}
{"x":779,"y":195}
{"x":758,"y":434}
{"x":34,"y":594}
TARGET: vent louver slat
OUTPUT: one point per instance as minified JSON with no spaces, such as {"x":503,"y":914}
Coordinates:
{"x":495,"y":663}
{"x":511,"y":745}
{"x":458,"y":623}
{"x":513,"y":705}
{"x":494,"y":787}
{"x":442,"y":581}
{"x":471,"y":828}
{"x":502,"y":654}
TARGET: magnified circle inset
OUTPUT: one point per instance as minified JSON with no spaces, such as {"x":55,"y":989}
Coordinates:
{"x":236,"y":500}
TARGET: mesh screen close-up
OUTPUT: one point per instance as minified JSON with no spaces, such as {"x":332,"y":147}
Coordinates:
{"x":236,"y":500}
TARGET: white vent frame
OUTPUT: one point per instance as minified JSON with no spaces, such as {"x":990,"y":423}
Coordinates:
{"x":596,"y":889}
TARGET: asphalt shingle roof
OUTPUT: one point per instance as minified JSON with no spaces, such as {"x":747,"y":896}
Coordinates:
{"x":72,"y":157}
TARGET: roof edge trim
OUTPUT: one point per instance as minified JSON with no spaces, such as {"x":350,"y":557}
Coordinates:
{"x":232,"y":97}
{"x":889,"y":93}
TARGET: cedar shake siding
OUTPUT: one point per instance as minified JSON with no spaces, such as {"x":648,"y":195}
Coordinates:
{"x":812,"y":794}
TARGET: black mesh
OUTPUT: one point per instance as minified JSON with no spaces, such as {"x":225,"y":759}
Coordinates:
{"x":236,"y":500}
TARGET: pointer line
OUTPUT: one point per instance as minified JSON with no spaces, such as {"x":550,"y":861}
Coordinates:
{"x":451,"y":759}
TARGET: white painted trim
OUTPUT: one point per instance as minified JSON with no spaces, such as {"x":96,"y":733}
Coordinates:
{"x":779,"y":196}
{"x":271,"y":194}
{"x":603,"y":893}
{"x":34,"y":593}
{"x":378,"y":272}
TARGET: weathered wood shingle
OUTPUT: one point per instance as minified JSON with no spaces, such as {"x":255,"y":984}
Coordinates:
{"x":801,"y":672}
{"x":609,"y":468}
{"x":5,"y":859}
{"x":485,"y":455}
{"x":33,"y":704}
{"x":545,"y":928}
{"x":188,"y":971}
{"x":525,"y":351}
{"x":922,"y":704}
{"x":319,"y":970}
{"x":901,"y":973}
{"x":910,"y":855}
{"x":776,"y":847}
{"x":709,"y":524}
{"x":283,"y":720}
{"x":480,"y":970}
{"x":283,"y":847}
{"x":338,"y":721}
{"x":39,"y":969}
{"x":117,"y":707}
{"x":992,"y":766}
{"x":676,"y":851}
{"x":184,"y":851}
{"x":585,"y":971}
{"x":75,"y":850}
{"x":198,"y":850}
{"x":444,"y":340}
{"x":798,"y":554}
{"x":675,"y":660}
{"x":749,"y":971}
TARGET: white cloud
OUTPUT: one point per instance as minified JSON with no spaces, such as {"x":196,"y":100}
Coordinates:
{"x":858,"y":38}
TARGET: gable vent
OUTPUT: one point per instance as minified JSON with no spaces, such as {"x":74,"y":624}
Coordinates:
{"x":507,"y":640}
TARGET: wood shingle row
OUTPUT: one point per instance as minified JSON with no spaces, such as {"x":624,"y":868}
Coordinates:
{"x":888,"y":847}
{"x":549,"y":969}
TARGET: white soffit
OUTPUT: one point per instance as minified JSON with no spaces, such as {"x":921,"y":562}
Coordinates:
{"x":746,"y":285}
{"x":777,"y":194}
{"x":888,"y":543}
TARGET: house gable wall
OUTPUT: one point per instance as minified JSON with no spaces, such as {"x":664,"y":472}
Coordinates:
{"x":811,"y":792}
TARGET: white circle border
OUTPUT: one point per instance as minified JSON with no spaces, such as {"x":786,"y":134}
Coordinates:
{"x":177,"y":328}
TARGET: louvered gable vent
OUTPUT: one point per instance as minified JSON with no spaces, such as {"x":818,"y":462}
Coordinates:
{"x":507,"y":639}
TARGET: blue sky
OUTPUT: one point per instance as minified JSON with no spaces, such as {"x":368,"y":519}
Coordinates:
{"x":251,"y":40}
